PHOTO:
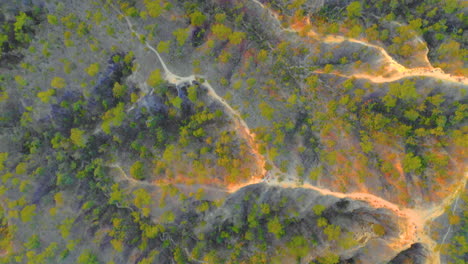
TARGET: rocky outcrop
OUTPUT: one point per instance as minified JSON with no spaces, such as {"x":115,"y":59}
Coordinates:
{"x":151,"y":104}
{"x":116,"y":70}
{"x":416,"y":254}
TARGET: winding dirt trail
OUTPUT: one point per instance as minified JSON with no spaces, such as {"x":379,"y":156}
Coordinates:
{"x":394,"y":70}
{"x":242,"y":127}
{"x":413,"y":220}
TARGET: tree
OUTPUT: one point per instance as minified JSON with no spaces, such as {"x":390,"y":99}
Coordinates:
{"x":355,"y":31}
{"x":318,"y":209}
{"x":142,"y":201}
{"x":20,"y":80}
{"x":266,"y":110}
{"x":298,"y":246}
{"x":136,"y":170}
{"x":113,"y":117}
{"x":58,"y":82}
{"x":274,"y":226}
{"x":406,"y":90}
{"x":167,"y":217}
{"x":332,"y":231}
{"x":236,"y":38}
{"x":329,"y":258}
{"x":21,"y":20}
{"x":177,"y":102}
{"x":412,"y":163}
{"x":119,"y":90}
{"x":163,"y":46}
{"x":450,"y":6}
{"x":21,"y":168}
{"x":262,"y":55}
{"x":328,"y":68}
{"x":354,"y":9}
{"x":155,"y":8}
{"x":33,"y":243}
{"x":155,"y":78}
{"x":28,"y":213}
{"x":192,"y":93}
{"x":58,"y":197}
{"x":66,"y":226}
{"x":117,"y":244}
{"x":45,"y":96}
{"x":265,"y":208}
{"x":93,"y":69}
{"x":221,"y":31}
{"x":3,"y":159}
{"x":116,"y":196}
{"x":87,"y":257}
{"x":181,"y":35}
{"x":52,"y":19}
{"x":179,"y":256}
{"x":197,"y":18}
{"x":77,"y":137}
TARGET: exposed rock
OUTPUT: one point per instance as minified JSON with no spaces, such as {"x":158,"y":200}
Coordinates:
{"x":153,"y":104}
{"x":116,"y":70}
{"x":416,"y":254}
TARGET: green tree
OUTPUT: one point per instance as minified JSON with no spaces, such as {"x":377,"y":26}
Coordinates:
{"x":116,"y":195}
{"x":354,"y":9}
{"x":45,"y":96}
{"x":406,"y":90}
{"x":328,"y":68}
{"x":58,"y":82}
{"x":412,"y":163}
{"x":329,"y":258}
{"x":93,"y":69}
{"x":266,"y":110}
{"x":221,"y":31}
{"x":77,"y":137}
{"x":332,"y":231}
{"x":142,"y":200}
{"x":179,"y":256}
{"x":155,"y":78}
{"x":177,"y":102}
{"x":164,"y":46}
{"x":274,"y":226}
{"x":117,"y":244}
{"x":450,"y":6}
{"x":236,"y":38}
{"x":155,"y":8}
{"x":318,"y":209}
{"x":3,"y":159}
{"x":52,"y":19}
{"x":33,"y":243}
{"x":192,"y":93}
{"x":22,"y":20}
{"x":20,"y":80}
{"x":119,"y":90}
{"x":167,"y":217}
{"x":137,"y":170}
{"x":28,"y":212}
{"x":197,"y":18}
{"x":298,"y":246}
{"x":65,"y":227}
{"x":21,"y":168}
{"x":87,"y":257}
{"x":113,"y":118}
{"x":181,"y":35}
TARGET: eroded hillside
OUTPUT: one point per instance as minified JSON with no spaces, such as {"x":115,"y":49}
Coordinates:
{"x":247,"y":131}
